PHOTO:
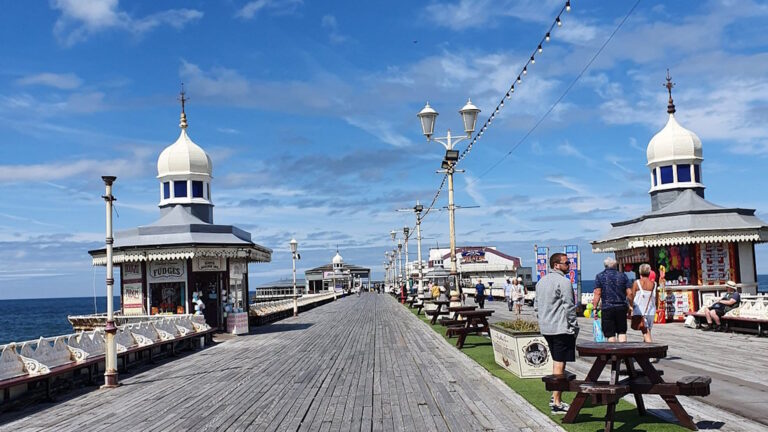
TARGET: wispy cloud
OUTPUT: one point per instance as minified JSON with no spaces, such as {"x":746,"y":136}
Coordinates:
{"x":80,"y":19}
{"x":66,"y":81}
{"x":273,"y":7}
{"x":465,"y":14}
{"x":329,"y":23}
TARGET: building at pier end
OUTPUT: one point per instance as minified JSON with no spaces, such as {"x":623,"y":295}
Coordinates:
{"x":699,"y":245}
{"x":337,"y":276}
{"x":478,"y":263}
{"x":170,"y":264}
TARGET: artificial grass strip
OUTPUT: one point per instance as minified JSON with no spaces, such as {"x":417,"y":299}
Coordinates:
{"x":590,"y":418}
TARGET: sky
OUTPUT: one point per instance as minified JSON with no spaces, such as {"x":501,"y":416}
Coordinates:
{"x":308,"y":111}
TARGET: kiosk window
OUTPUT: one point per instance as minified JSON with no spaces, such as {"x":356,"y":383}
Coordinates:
{"x":180,"y":189}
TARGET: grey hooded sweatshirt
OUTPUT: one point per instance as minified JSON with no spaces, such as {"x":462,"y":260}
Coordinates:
{"x":554,"y":305}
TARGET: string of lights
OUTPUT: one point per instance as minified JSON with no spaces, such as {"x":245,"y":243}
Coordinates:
{"x":558,"y":22}
{"x":562,"y":96}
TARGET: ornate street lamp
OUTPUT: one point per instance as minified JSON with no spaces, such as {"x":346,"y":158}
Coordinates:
{"x":294,"y":256}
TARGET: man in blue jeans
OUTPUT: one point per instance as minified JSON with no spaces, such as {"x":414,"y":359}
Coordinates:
{"x":612,"y":288}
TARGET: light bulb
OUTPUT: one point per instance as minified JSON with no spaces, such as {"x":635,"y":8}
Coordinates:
{"x":509,"y":94}
{"x":568,"y":6}
{"x":540,"y":49}
{"x":525,"y":70}
{"x":496,"y":112}
{"x":512,"y":90}
{"x":501,"y":104}
{"x":546,"y":38}
{"x":559,"y":23}
{"x":533,"y":60}
{"x":519,"y":80}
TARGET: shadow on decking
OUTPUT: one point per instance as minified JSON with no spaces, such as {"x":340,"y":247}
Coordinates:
{"x":276,"y":328}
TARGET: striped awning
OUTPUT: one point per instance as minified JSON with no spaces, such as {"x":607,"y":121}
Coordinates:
{"x":119,"y":256}
{"x":677,"y":239}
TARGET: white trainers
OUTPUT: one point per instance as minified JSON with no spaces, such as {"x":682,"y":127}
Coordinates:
{"x":560,"y":409}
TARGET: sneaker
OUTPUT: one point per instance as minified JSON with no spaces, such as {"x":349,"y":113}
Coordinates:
{"x":560,"y":409}
{"x":551,"y":401}
{"x":707,"y":328}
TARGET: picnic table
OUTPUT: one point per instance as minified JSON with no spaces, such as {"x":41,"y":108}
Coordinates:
{"x":475,"y":321}
{"x":456,"y":311}
{"x":439,"y":311}
{"x":647,"y":380}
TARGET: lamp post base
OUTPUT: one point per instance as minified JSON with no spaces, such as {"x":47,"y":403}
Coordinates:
{"x":110,"y":380}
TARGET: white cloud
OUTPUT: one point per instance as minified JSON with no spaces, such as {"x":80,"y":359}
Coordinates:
{"x":274,"y":7}
{"x":381,"y":129}
{"x":82,"y":18}
{"x":60,"y":81}
{"x":62,"y":170}
{"x":465,"y":14}
{"x":329,"y":23}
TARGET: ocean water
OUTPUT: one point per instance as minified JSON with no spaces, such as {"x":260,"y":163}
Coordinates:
{"x":587,"y":286}
{"x":22,"y":320}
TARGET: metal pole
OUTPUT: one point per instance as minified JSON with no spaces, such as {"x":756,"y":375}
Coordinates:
{"x":295,"y":299}
{"x":451,"y":219}
{"x":110,"y":357}
{"x":418,"y":241}
{"x":407,"y":272}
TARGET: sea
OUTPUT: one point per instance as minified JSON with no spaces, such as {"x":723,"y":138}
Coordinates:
{"x":23,"y":320}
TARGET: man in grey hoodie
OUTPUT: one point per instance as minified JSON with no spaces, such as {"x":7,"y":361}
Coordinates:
{"x":556,"y":311}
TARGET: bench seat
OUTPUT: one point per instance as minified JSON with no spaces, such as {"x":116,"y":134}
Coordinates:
{"x":558,"y":382}
{"x":694,"y":385}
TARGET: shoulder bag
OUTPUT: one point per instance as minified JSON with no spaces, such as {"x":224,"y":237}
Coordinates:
{"x":638,"y":321}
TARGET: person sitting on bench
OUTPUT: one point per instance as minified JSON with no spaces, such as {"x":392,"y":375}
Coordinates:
{"x":729,"y":301}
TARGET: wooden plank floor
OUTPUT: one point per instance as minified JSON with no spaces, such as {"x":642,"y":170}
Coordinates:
{"x":736,"y":362}
{"x":359,"y":363}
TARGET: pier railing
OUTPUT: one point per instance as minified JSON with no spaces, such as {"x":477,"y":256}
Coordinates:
{"x":263,"y":312}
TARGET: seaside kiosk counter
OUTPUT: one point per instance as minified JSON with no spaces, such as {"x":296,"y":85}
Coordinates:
{"x":700,"y":245}
{"x":166,"y":266}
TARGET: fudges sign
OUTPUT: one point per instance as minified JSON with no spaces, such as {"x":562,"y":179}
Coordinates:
{"x":167,"y":271}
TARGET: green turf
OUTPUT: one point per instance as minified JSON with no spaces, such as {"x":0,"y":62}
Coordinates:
{"x":591,"y":418}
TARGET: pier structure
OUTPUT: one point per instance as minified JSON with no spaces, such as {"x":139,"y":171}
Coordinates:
{"x":696,"y":245}
{"x":337,"y":276}
{"x":184,"y":263}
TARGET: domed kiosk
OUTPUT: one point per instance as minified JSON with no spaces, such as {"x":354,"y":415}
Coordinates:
{"x":337,"y":276}
{"x":163,"y":265}
{"x":700,"y":245}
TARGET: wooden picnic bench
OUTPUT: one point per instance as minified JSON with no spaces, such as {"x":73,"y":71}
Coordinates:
{"x":455,"y":318}
{"x":638,"y":382}
{"x":439,"y":311}
{"x":475,"y":321}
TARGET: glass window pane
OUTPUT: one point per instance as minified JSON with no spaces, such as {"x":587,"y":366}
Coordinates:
{"x":666,"y":175}
{"x":654,"y":176}
{"x":197,"y":189}
{"x":166,"y":190}
{"x":684,"y":173}
{"x":180,"y":189}
{"x":696,"y":173}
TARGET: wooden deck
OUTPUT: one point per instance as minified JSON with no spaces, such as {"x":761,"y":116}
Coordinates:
{"x":360,"y":363}
{"x":737,"y":363}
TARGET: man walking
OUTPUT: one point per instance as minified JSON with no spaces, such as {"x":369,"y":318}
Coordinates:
{"x":612,"y":289}
{"x":508,"y":294}
{"x":556,"y":311}
{"x":480,"y":294}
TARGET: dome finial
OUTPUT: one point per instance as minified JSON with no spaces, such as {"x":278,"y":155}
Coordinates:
{"x":183,"y":99}
{"x":669,"y":85}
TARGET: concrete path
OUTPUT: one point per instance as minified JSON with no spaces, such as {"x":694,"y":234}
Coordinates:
{"x":359,"y":363}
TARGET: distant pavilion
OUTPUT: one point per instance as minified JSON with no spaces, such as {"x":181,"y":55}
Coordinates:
{"x":337,"y":276}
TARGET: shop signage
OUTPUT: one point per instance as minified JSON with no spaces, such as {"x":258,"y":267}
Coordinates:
{"x":133,"y":299}
{"x":237,"y":323}
{"x":715,"y":266}
{"x":131,"y":271}
{"x":208,"y":264}
{"x":167,"y":271}
{"x":633,"y":256}
{"x":572,"y":253}
{"x":541,"y":261}
{"x":473,"y":256}
{"x":237,"y":269}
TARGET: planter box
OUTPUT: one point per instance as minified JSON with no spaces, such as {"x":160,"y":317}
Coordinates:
{"x":525,"y":354}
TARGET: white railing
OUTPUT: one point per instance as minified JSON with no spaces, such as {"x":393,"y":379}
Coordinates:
{"x":263,"y":309}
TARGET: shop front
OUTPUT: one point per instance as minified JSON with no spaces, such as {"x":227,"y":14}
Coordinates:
{"x":167,"y":287}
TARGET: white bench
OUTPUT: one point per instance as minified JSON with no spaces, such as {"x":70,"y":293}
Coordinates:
{"x":44,"y":354}
{"x":11,"y":363}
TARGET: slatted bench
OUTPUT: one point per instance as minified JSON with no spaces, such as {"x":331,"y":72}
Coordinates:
{"x":757,"y":326}
{"x":694,"y":385}
{"x":435,"y":314}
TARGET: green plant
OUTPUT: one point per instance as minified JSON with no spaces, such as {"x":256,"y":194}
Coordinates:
{"x":520,"y":325}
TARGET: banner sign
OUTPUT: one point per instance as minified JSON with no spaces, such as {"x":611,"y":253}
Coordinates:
{"x":473,"y":256}
{"x":541,"y":261}
{"x":572,"y":253}
{"x":167,"y":271}
{"x":133,"y":300}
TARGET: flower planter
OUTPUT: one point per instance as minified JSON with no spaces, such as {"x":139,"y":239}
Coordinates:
{"x":525,"y":354}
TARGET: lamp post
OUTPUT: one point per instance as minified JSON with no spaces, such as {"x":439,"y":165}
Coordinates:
{"x":110,"y":357}
{"x":428,"y":116}
{"x":400,"y":268}
{"x":406,"y":272}
{"x":294,"y":257}
{"x":418,"y":209}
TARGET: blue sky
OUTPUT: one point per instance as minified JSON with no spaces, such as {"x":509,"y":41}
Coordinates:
{"x":308,"y":110}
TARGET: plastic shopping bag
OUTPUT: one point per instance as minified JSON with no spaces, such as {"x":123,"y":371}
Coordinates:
{"x":597,"y":331}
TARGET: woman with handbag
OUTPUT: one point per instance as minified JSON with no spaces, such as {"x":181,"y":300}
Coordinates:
{"x":644,"y":300}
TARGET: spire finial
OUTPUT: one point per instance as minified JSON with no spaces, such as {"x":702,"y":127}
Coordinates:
{"x":183,"y":99}
{"x":669,"y":85}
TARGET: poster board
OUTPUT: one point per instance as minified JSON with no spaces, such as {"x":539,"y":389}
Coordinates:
{"x":133,"y":298}
{"x":715,"y":263}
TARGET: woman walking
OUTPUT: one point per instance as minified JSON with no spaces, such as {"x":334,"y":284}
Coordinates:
{"x":644,"y":301}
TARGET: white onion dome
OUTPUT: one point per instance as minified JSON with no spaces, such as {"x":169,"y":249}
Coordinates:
{"x":673,"y":143}
{"x":184,"y":157}
{"x":337,"y":260}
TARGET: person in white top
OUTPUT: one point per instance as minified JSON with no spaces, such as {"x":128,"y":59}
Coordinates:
{"x":519,"y":294}
{"x":643,"y":300}
{"x":508,"y":289}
